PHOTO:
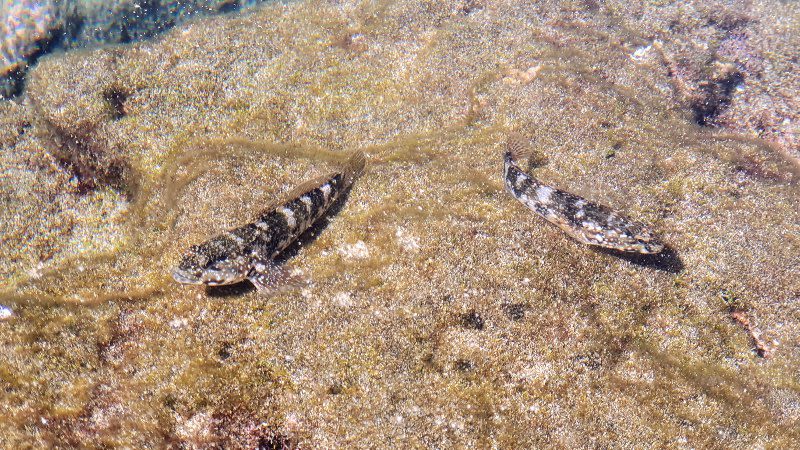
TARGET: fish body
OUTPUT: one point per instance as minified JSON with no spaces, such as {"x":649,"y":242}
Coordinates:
{"x":581,"y":219}
{"x":248,"y":252}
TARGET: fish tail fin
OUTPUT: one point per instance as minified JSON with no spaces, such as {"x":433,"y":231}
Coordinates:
{"x":354,"y":167}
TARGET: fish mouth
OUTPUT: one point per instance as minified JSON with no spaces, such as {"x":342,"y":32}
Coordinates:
{"x":651,"y":248}
{"x":181,"y":277}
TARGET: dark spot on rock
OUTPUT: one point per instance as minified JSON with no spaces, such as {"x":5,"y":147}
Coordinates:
{"x":91,"y":173}
{"x":91,"y":161}
{"x":23,"y":128}
{"x":116,"y":101}
{"x":336,"y":388}
{"x":170,"y":402}
{"x":605,"y":124}
{"x":612,"y":152}
{"x":715,"y":95}
{"x":730,"y":299}
{"x":515,"y":311}
{"x":471,"y":6}
{"x":12,"y":82}
{"x":225,"y":351}
{"x":472,"y":320}
{"x":464,"y":365}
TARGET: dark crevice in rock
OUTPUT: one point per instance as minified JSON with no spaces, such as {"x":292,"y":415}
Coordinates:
{"x":277,"y":442}
{"x":464,"y":365}
{"x":715,"y":96}
{"x":225,"y":351}
{"x":92,"y":166}
{"x":13,"y":82}
{"x":143,"y":20}
{"x":230,"y":7}
{"x":471,"y":6}
{"x":116,"y":101}
{"x":472,"y":320}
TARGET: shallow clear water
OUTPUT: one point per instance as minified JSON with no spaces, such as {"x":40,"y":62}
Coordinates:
{"x":436,"y":310}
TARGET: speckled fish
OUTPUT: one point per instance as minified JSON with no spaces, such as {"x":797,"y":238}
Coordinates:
{"x":581,"y":219}
{"x":248,"y":252}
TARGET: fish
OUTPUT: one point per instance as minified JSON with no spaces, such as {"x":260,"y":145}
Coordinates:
{"x":583,"y":220}
{"x":249,"y":251}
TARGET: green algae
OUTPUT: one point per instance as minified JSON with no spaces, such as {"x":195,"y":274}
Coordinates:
{"x":105,"y":348}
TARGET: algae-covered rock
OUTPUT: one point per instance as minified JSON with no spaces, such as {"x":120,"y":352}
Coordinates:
{"x":75,"y":102}
{"x":438,"y":311}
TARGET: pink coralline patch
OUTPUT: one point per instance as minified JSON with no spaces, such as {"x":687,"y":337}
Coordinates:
{"x":738,"y":48}
{"x":23,"y":25}
{"x":770,"y":116}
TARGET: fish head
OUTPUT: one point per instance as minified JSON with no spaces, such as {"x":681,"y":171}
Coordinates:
{"x":200,"y":266}
{"x":646,"y":243}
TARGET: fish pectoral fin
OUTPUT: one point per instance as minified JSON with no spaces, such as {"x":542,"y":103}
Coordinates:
{"x":270,"y":278}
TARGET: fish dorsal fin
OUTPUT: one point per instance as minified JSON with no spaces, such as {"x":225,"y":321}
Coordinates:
{"x":350,"y":171}
{"x":517,"y":146}
{"x":520,"y":149}
{"x":354,"y":167}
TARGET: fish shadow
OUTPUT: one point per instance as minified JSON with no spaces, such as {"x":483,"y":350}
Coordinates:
{"x":307,"y":238}
{"x":667,"y":260}
{"x":230,"y":290}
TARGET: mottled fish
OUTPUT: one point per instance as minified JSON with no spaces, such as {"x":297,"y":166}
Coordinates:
{"x":248,"y":252}
{"x":581,"y":219}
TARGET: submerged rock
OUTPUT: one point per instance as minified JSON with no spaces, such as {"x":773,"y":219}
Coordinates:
{"x":438,"y":311}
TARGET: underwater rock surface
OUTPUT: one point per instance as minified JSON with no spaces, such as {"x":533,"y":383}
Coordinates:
{"x":441,"y":312}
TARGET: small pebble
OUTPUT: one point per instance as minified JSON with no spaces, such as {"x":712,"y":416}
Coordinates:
{"x":358,"y":250}
{"x":343,"y":299}
{"x":178,"y":323}
{"x":5,"y":312}
{"x":407,"y":241}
